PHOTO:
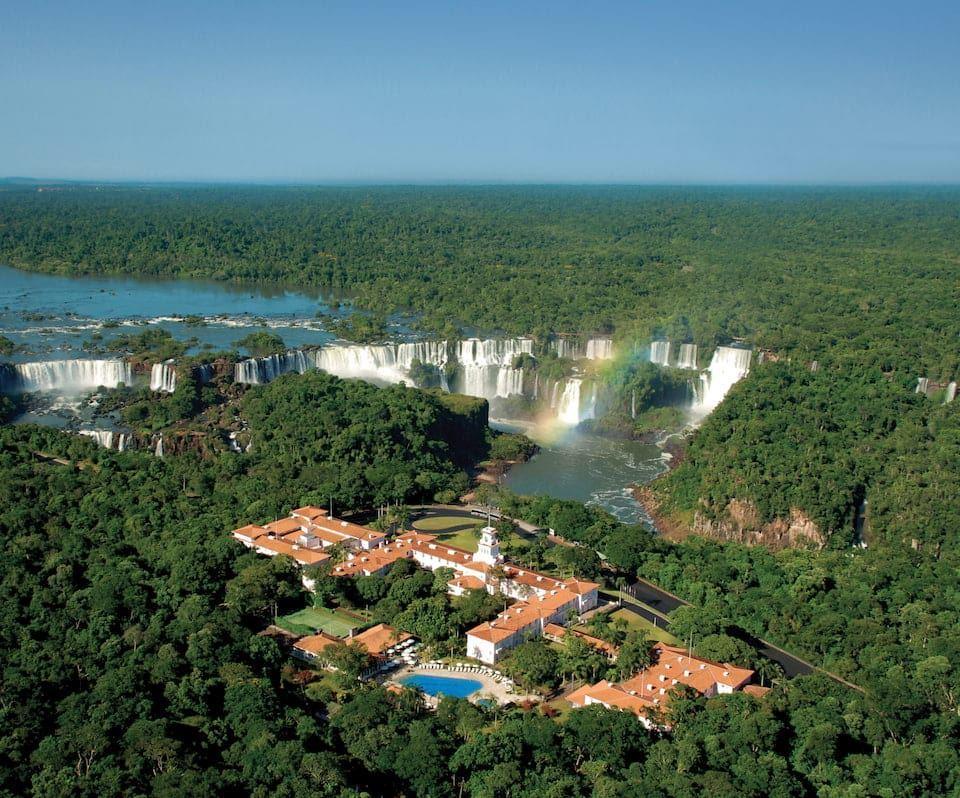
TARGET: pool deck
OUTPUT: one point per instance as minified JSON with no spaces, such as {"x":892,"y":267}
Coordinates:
{"x":491,"y":688}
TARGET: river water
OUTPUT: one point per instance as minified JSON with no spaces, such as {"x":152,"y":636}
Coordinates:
{"x":596,"y":470}
{"x":53,"y":318}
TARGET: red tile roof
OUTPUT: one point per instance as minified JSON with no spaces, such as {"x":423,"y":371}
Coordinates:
{"x":378,"y":639}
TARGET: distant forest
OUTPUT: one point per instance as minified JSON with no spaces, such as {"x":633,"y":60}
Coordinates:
{"x":868,"y":274}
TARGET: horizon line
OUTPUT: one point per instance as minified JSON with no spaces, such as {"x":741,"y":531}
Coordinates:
{"x":15,"y":180}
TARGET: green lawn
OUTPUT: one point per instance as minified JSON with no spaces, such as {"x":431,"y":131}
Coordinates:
{"x":437,"y":523}
{"x":634,"y":621}
{"x":314,"y":619}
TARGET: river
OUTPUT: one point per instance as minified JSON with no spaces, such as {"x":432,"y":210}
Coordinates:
{"x":50,"y":316}
{"x":596,"y":470}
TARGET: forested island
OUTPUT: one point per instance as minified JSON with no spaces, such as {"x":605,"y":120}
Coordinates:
{"x":815,"y":507}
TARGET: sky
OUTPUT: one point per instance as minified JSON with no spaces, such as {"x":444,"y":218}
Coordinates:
{"x":627,"y":92}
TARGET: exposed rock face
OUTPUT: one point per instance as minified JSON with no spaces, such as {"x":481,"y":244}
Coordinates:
{"x":740,"y":523}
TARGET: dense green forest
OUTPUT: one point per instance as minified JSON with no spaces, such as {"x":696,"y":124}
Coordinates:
{"x":824,"y":442}
{"x":865,"y":272}
{"x":132,"y":663}
{"x":131,"y":659}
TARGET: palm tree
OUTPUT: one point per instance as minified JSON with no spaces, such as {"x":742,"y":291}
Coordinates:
{"x":621,"y":589}
{"x":767,"y":669}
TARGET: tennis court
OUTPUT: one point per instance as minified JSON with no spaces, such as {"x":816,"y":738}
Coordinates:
{"x":318,"y":619}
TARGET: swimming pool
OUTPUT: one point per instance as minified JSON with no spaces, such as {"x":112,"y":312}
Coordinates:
{"x":442,"y":685}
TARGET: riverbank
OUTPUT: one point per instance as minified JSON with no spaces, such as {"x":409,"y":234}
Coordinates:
{"x":664,"y":525}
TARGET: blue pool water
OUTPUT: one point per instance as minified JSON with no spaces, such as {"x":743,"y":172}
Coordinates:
{"x":442,"y":685}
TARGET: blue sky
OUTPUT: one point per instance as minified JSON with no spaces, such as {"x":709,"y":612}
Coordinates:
{"x":686,"y":92}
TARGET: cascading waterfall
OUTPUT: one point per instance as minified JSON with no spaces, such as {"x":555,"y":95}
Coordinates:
{"x":158,"y":450}
{"x":65,"y":376}
{"x":633,"y":404}
{"x":389,"y":363}
{"x":599,"y":349}
{"x":687,"y":359}
{"x":482,"y":361}
{"x":509,"y":382}
{"x":660,"y":353}
{"x":572,"y":407}
{"x":163,"y":377}
{"x":929,"y":388}
{"x":103,"y":437}
{"x":258,"y":370}
{"x":727,"y":366}
{"x":567,"y":348}
{"x":107,"y":438}
{"x":595,"y":348}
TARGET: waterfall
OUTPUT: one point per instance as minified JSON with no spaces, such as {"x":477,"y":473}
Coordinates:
{"x":595,"y":349}
{"x":483,"y":361}
{"x":687,"y":359}
{"x":599,"y":349}
{"x":727,"y":366}
{"x":929,"y":388}
{"x":163,"y":377}
{"x":158,"y":451}
{"x":66,"y":376}
{"x":104,"y":437}
{"x":255,"y":371}
{"x":568,"y":408}
{"x":509,"y":382}
{"x":383,"y":363}
{"x":633,"y":404}
{"x":660,"y":353}
{"x":567,"y":348}
{"x":572,"y":407}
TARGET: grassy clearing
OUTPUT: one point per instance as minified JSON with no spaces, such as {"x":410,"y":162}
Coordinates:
{"x":318,"y":619}
{"x":634,"y":621}
{"x":464,"y":539}
{"x":438,"y":523}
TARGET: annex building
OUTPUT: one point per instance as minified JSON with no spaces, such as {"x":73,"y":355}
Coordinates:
{"x":647,"y":693}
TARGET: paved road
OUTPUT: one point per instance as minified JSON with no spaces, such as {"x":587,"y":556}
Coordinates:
{"x":664,"y":602}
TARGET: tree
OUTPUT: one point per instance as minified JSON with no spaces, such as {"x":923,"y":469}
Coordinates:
{"x":351,"y":659}
{"x":261,"y":587}
{"x":635,"y":654}
{"x":533,"y":664}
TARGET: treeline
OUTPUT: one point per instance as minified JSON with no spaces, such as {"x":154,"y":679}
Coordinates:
{"x":808,"y":271}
